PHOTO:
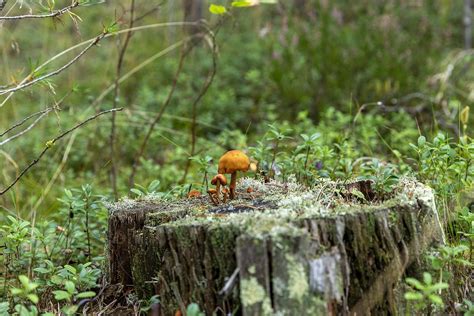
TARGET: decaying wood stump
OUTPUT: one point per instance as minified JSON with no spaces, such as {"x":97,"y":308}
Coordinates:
{"x":335,"y":249}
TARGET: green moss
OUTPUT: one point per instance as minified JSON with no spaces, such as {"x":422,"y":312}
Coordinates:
{"x":251,"y":293}
{"x":298,"y":285}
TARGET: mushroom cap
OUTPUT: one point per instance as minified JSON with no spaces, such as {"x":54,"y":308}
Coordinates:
{"x":212,"y":191}
{"x":232,"y":161}
{"x":221,"y":178}
{"x":194,"y":193}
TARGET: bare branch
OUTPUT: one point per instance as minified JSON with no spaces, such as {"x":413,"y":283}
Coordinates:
{"x":207,"y":84}
{"x":50,"y":144}
{"x":25,"y":120}
{"x":57,"y":71}
{"x":26,"y":130}
{"x":53,"y":14}
{"x":141,"y":151}
{"x":134,"y":29}
{"x":123,"y":49}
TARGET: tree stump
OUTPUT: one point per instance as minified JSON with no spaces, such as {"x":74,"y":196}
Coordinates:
{"x":281,"y":249}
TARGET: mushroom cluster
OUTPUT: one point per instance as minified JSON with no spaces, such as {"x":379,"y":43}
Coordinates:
{"x":231,"y":162}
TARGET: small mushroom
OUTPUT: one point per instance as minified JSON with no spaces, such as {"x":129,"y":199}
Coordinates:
{"x":231,"y":162}
{"x":219,"y":180}
{"x":194,"y":194}
{"x":225,"y":193}
{"x":213,"y":195}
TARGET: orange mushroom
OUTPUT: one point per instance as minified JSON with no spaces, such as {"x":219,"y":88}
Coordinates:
{"x":225,"y":193}
{"x":219,"y":180}
{"x":231,"y":162}
{"x":213,"y":195}
{"x":194,"y":194}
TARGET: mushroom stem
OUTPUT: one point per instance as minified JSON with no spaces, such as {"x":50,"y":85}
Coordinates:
{"x":218,"y":189}
{"x":213,"y":199}
{"x":233,"y":181}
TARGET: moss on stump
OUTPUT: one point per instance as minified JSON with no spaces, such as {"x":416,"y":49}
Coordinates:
{"x":282,"y":249}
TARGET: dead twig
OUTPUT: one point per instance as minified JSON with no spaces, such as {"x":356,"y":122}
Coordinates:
{"x":136,"y":160}
{"x":207,"y":84}
{"x":57,"y":71}
{"x":53,"y":14}
{"x":123,"y":49}
{"x":18,"y":124}
{"x":50,"y":144}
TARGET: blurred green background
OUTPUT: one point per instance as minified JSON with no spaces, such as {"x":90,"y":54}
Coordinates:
{"x":310,"y":65}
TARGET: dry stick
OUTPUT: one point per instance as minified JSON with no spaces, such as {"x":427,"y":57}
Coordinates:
{"x":57,"y":71}
{"x":53,"y":14}
{"x":134,"y":29}
{"x":26,"y":130}
{"x":25,"y":120}
{"x":136,"y":160}
{"x":123,"y":49}
{"x":41,"y":114}
{"x":50,"y":143}
{"x":207,"y":84}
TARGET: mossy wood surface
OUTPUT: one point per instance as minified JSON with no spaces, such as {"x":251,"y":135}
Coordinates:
{"x":335,"y":249}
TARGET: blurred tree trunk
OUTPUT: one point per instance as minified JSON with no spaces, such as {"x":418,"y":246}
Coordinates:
{"x":192,"y":13}
{"x":467,"y":24}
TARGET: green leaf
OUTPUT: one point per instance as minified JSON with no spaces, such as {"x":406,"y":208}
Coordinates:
{"x":70,"y":269}
{"x":240,"y":4}
{"x":193,"y":310}
{"x":24,"y":280}
{"x":427,"y":278}
{"x":70,"y":310}
{"x":70,"y":287}
{"x":436,"y":299}
{"x":16,"y":291}
{"x":137,"y":192}
{"x":153,"y":185}
{"x":415,"y":283}
{"x":61,"y":295}
{"x":41,"y":270}
{"x":217,"y":9}
{"x":421,"y":141}
{"x":86,"y":294}
{"x":439,"y":286}
{"x":413,"y":296}
{"x":33,"y":298}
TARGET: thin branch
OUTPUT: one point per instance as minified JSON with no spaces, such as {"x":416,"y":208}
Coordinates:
{"x":134,"y":29}
{"x":136,"y":160}
{"x":53,"y":14}
{"x":138,"y":68}
{"x":207,"y":84}
{"x":25,"y":120}
{"x":57,"y":71}
{"x":26,"y":130}
{"x":123,"y":49}
{"x":51,"y":142}
{"x":41,"y":114}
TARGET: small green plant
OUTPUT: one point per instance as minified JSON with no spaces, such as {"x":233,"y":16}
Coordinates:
{"x":384,"y":176}
{"x":194,"y":310}
{"x":424,"y":294}
{"x":141,"y":191}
